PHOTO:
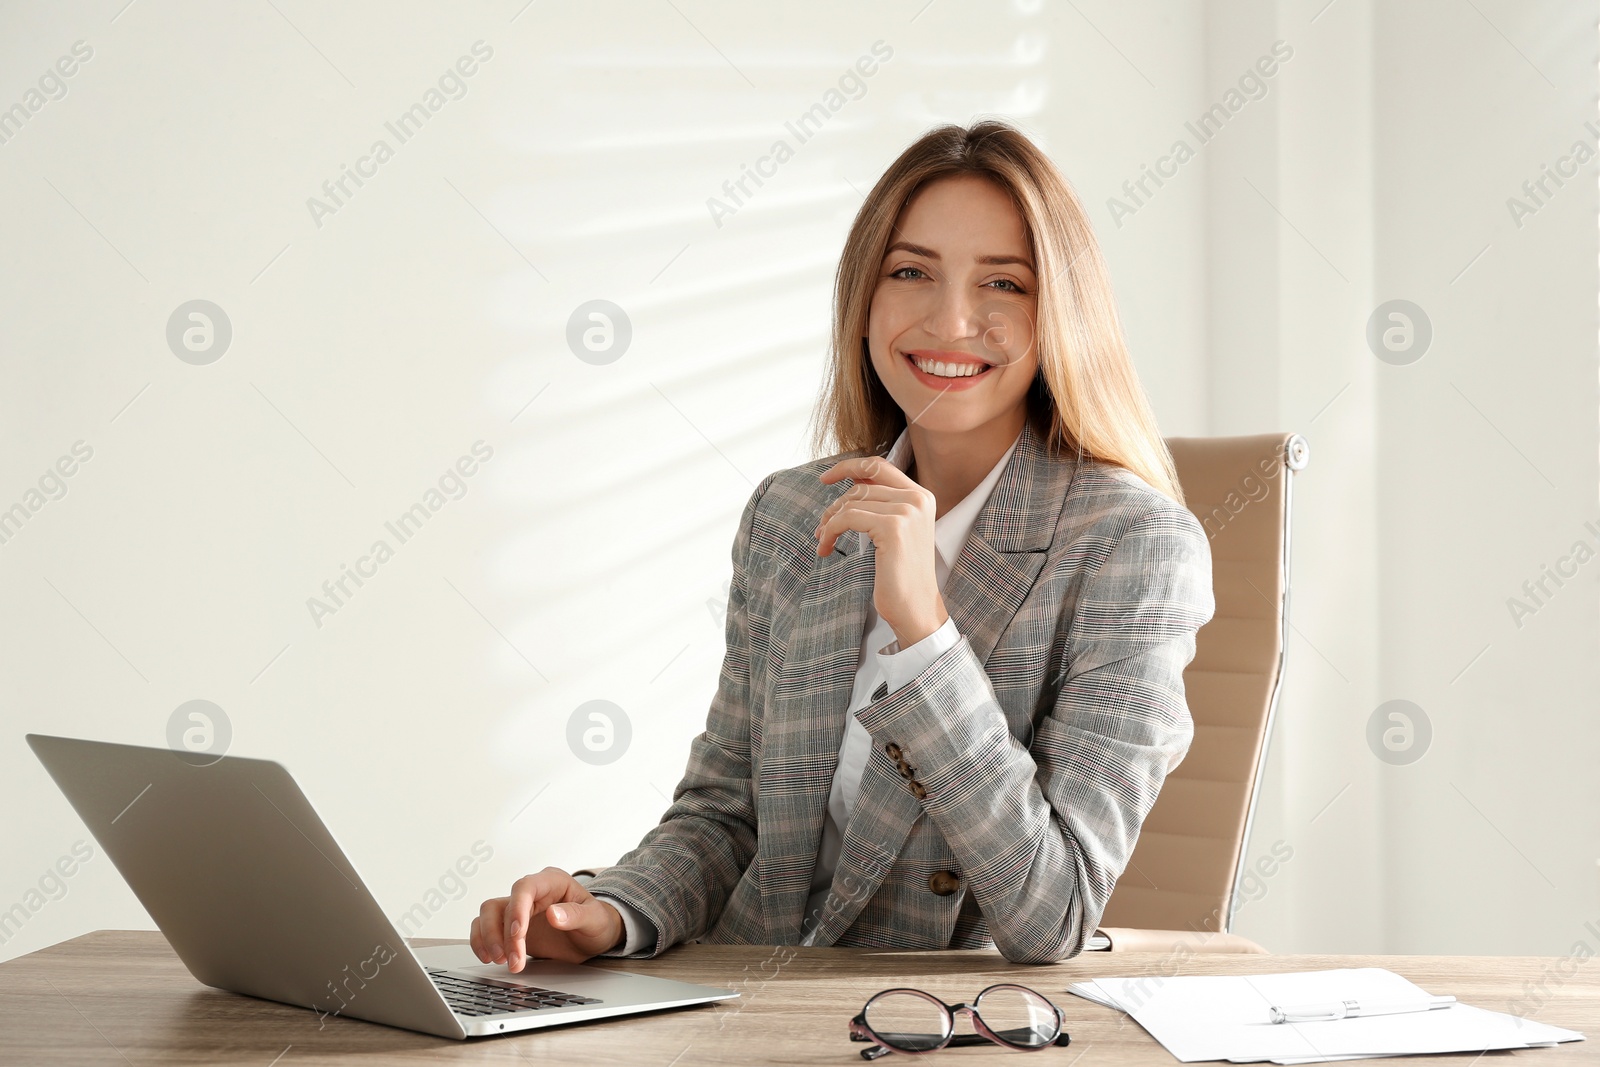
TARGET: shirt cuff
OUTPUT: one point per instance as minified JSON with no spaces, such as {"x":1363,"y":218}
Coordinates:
{"x":640,"y":932}
{"x":900,"y":665}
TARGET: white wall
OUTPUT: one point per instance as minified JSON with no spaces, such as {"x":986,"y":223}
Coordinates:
{"x":586,"y":558}
{"x":1290,"y":187}
{"x":1508,"y":816}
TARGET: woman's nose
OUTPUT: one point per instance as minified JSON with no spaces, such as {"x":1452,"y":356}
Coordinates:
{"x":954,"y":316}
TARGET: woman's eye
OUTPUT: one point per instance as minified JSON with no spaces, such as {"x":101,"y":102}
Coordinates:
{"x":906,"y":273}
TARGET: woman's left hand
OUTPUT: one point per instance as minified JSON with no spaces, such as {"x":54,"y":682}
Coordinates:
{"x":898,"y":515}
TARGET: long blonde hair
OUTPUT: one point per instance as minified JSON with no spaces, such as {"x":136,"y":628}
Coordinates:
{"x":1086,"y":398}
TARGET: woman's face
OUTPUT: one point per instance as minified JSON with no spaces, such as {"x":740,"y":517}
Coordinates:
{"x":951,"y":327}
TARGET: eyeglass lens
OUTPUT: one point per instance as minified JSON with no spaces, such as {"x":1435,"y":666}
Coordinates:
{"x":1018,"y":1016}
{"x":907,"y":1021}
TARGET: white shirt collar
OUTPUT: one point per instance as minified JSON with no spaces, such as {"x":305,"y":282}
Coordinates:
{"x":950,"y":530}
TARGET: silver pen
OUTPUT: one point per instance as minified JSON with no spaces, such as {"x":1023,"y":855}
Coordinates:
{"x":1354,"y":1009}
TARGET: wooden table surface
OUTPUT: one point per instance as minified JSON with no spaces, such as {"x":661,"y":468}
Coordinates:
{"x":122,"y":997}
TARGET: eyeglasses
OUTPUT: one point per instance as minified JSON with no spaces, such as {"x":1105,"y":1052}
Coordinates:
{"x":909,"y":1020}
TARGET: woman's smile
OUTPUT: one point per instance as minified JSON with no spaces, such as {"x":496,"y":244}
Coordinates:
{"x":944,"y":370}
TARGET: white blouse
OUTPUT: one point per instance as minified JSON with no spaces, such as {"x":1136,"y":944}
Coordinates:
{"x":882,"y":662}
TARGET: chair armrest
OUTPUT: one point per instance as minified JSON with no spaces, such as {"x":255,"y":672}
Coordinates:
{"x":1127,"y":939}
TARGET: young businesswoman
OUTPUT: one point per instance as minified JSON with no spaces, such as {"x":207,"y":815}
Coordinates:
{"x":953,"y":683}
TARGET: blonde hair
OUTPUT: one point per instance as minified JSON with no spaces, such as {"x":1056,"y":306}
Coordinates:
{"x":1086,"y":398}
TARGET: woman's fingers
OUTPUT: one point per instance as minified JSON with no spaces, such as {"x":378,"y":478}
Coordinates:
{"x":578,"y":916}
{"x":868,"y":491}
{"x":530,"y":896}
{"x":878,"y":519}
{"x":593,"y":925}
{"x":886,"y":505}
{"x":862,"y":491}
{"x":549,"y":915}
{"x":876,"y":481}
{"x":868,"y":469}
{"x":485,"y":935}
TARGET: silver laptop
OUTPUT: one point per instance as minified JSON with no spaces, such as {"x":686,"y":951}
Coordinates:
{"x":256,"y":897}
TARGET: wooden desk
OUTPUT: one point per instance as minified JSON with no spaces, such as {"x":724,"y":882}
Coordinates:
{"x":120,"y":996}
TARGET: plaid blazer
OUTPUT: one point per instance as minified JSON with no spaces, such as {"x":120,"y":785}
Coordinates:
{"x":1008,"y":780}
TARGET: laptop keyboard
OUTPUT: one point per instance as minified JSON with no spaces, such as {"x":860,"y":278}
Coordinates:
{"x":486,"y":996}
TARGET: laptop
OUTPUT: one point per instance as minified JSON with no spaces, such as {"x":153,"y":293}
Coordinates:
{"x":255,"y":896}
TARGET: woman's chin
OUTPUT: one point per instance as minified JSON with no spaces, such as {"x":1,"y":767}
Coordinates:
{"x":956,"y":418}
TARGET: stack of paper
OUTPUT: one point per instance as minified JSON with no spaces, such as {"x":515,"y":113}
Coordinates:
{"x":1203,"y":1017}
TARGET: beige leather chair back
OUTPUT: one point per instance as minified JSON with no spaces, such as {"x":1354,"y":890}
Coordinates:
{"x":1186,"y":868}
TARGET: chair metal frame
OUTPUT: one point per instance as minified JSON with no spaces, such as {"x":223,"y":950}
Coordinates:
{"x":1296,"y":454}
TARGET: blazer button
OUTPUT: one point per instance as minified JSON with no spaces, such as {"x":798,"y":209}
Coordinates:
{"x":944,"y":882}
{"x":893,"y":750}
{"x":917,"y":790}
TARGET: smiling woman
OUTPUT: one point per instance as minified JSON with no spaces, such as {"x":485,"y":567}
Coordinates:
{"x":953,"y":684}
{"x":1024,"y":256}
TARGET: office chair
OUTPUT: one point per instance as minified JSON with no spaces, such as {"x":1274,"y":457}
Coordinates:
{"x":1182,"y":885}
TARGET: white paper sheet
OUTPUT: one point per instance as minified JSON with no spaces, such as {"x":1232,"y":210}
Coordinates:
{"x":1216,"y":1017}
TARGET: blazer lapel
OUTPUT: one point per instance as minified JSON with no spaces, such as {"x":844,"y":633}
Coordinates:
{"x":804,"y":727}
{"x":991,"y":577}
{"x":1006,"y":550}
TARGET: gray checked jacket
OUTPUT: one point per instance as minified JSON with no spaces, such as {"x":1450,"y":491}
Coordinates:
{"x":1008,"y":780}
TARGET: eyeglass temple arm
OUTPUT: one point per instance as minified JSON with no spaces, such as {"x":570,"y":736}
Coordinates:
{"x":962,"y":1040}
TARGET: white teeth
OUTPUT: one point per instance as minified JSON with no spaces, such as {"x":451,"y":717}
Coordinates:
{"x":949,"y":370}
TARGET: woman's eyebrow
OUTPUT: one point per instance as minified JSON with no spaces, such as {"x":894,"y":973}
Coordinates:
{"x":918,"y":250}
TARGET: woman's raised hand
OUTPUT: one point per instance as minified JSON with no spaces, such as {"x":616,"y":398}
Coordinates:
{"x":549,"y":915}
{"x":897,"y":513}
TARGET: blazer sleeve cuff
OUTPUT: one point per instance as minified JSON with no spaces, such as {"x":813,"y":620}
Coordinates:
{"x":632,"y":896}
{"x":942,"y":717}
